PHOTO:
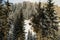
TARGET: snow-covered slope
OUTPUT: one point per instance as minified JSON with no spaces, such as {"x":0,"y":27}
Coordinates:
{"x":28,"y":28}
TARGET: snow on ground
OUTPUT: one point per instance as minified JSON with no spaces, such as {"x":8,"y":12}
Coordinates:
{"x":28,"y":28}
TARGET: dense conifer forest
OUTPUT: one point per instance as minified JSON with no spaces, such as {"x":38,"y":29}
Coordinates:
{"x":29,"y":21}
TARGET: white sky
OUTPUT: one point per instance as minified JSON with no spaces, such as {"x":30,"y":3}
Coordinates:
{"x":57,"y":2}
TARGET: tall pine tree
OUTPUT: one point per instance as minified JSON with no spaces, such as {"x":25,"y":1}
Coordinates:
{"x":36,"y":21}
{"x":5,"y":16}
{"x":45,"y":22}
{"x":19,"y":29}
{"x":52,"y":23}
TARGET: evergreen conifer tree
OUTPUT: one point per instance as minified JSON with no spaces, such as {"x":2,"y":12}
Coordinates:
{"x":36,"y":21}
{"x":45,"y":21}
{"x":19,"y":29}
{"x":5,"y":18}
{"x":52,"y":27}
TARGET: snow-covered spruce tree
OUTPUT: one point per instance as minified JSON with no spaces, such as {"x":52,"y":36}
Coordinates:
{"x":48,"y":23}
{"x":41,"y":21}
{"x":43,"y":18}
{"x":45,"y":22}
{"x":6,"y":15}
{"x":36,"y":21}
{"x":51,"y":22}
{"x":19,"y":29}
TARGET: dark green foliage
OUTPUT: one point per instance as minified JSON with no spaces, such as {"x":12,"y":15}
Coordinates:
{"x":50,"y":21}
{"x":19,"y":29}
{"x":53,"y":28}
{"x":3,"y":19}
{"x":1,"y":35}
{"x":36,"y":19}
{"x":35,"y":23}
{"x":1,"y":28}
{"x":8,"y":9}
{"x":1,"y":8}
{"x":45,"y":21}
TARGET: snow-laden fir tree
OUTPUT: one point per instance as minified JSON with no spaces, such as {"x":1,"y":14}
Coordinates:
{"x":45,"y":22}
{"x":52,"y":20}
{"x":36,"y":21}
{"x":6,"y":15}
